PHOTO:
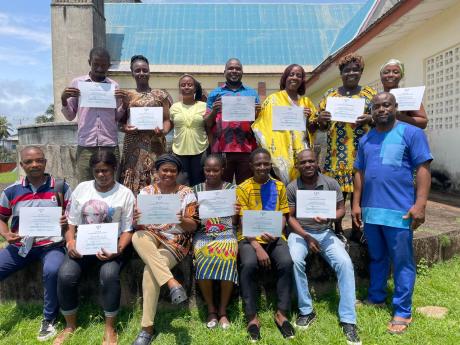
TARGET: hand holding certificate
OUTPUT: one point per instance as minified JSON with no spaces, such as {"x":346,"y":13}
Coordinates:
{"x":288,"y":119}
{"x":97,"y":95}
{"x":40,"y":221}
{"x":93,"y":238}
{"x":238,"y":108}
{"x":409,"y":98}
{"x":256,"y":223}
{"x":146,"y":118}
{"x":217,"y":203}
{"x":316,"y":203}
{"x":158,"y":209}
{"x":344,"y":109}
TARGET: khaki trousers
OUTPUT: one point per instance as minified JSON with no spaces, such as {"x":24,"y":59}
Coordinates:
{"x":157,"y":271}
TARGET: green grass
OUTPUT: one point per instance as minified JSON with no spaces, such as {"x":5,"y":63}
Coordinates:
{"x":9,"y":177}
{"x":438,"y":285}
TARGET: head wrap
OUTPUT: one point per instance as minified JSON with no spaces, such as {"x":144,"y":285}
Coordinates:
{"x":394,"y":62}
{"x":168,"y":158}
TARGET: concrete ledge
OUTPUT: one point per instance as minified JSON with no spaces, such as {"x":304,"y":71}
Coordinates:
{"x":26,"y":285}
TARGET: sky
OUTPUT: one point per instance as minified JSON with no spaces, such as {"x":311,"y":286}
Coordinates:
{"x":25,"y":55}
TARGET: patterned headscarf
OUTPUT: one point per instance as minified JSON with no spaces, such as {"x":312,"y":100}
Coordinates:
{"x":394,"y":62}
{"x":168,"y":158}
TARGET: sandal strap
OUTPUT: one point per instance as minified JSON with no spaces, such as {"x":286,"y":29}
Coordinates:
{"x":399,"y":323}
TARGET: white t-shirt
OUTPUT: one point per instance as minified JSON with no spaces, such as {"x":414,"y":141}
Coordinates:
{"x":88,"y":206}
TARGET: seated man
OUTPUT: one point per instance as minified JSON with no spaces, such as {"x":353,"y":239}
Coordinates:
{"x":316,"y":235}
{"x":261,"y":192}
{"x":37,"y":189}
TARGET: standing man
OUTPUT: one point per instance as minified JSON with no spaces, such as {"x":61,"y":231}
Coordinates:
{"x":97,"y":127}
{"x":233,"y":139}
{"x":392,"y":206}
{"x":316,"y":235}
{"x":37,"y":189}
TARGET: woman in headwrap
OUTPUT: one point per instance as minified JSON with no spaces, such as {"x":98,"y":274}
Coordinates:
{"x":391,"y":74}
{"x":162,"y":246}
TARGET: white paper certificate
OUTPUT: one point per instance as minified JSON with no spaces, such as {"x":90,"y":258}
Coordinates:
{"x":258,"y":222}
{"x":40,"y":221}
{"x":158,"y":208}
{"x":316,"y":203}
{"x":238,"y":108}
{"x":409,"y":98}
{"x":344,"y":109}
{"x":97,"y":95}
{"x":146,"y":118}
{"x":288,"y":119}
{"x":91,"y":238}
{"x":217,"y":203}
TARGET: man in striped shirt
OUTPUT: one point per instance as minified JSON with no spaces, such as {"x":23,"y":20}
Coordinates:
{"x":37,"y":189}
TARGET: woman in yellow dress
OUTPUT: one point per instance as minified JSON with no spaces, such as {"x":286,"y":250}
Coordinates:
{"x":284,"y":145}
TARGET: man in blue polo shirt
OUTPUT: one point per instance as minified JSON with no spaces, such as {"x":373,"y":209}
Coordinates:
{"x":37,"y":189}
{"x":391,"y":205}
{"x":234,"y":139}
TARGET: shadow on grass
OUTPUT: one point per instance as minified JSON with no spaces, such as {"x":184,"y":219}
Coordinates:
{"x":20,"y":313}
{"x":164,"y":323}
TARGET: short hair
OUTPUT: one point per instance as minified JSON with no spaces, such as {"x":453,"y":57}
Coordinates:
{"x":217,"y":157}
{"x":29,"y":148}
{"x":198,"y":88}
{"x":99,"y":52}
{"x":305,"y":150}
{"x":103,"y":156}
{"x":392,"y":97}
{"x":135,"y":58}
{"x":351,"y":58}
{"x":301,"y":89}
{"x":258,"y":151}
{"x":233,"y":59}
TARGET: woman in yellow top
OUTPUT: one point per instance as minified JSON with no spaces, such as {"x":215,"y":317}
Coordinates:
{"x":284,"y":145}
{"x":343,"y":137}
{"x":190,"y":140}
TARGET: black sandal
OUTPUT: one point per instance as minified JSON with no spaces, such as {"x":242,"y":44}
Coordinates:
{"x":286,"y":329}
{"x":254,"y":333}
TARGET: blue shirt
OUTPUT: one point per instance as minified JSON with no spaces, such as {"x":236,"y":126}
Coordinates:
{"x":231,"y":136}
{"x":388,"y":160}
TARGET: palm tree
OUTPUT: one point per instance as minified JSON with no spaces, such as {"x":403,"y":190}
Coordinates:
{"x":5,"y":128}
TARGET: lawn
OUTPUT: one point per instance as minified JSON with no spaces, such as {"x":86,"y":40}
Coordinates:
{"x":9,"y":177}
{"x":438,"y":285}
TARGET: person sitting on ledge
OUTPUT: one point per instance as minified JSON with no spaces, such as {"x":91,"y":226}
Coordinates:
{"x":316,"y":235}
{"x":262,"y":192}
{"x":163,"y":246}
{"x":37,"y":189}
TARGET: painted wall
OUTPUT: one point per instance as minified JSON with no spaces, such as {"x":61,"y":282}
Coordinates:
{"x":433,"y":36}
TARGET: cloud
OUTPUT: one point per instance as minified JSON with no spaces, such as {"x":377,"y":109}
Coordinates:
{"x":28,"y":31}
{"x":21,"y":101}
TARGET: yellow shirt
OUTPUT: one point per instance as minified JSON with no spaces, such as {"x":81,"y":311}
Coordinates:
{"x":270,"y":196}
{"x":189,"y":129}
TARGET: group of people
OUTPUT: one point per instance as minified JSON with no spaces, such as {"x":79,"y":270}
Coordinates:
{"x":381,"y":162}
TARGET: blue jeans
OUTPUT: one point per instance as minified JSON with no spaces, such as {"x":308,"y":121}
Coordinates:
{"x":51,"y":258}
{"x":388,"y":245}
{"x":333,"y":251}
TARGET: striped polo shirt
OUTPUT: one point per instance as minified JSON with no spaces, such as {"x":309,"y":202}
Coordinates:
{"x":21,"y":194}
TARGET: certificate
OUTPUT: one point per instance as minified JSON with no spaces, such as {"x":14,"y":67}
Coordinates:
{"x":238,"y":108}
{"x":288,"y":119}
{"x":409,"y":98}
{"x":146,"y":118}
{"x":158,"y":208}
{"x":217,"y":203}
{"x":257,"y":222}
{"x":316,"y":203}
{"x":40,"y":221}
{"x":345,"y":109}
{"x":91,"y":238}
{"x":97,"y":95}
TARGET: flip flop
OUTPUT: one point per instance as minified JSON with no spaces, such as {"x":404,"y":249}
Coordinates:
{"x":178,"y":295}
{"x":224,"y":325}
{"x":213,"y":322}
{"x":398,"y":323}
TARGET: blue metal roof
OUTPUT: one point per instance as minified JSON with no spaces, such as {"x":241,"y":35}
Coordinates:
{"x":208,"y":34}
{"x":351,"y":29}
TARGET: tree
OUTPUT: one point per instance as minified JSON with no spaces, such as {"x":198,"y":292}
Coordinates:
{"x":48,"y":116}
{"x":5,"y":128}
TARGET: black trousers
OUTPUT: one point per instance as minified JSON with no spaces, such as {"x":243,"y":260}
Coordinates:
{"x":109,"y":281}
{"x":278,"y":251}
